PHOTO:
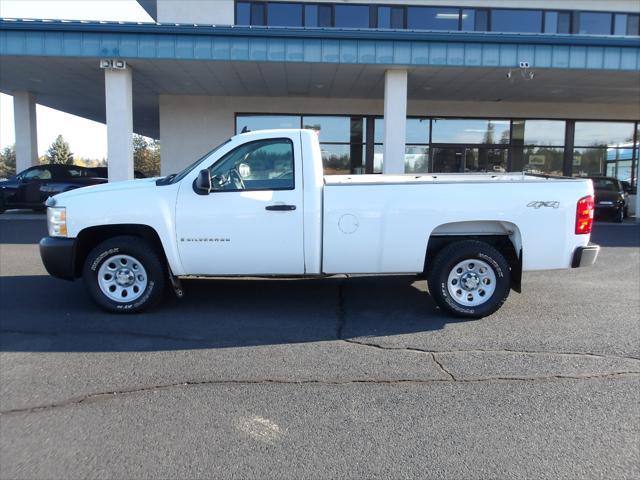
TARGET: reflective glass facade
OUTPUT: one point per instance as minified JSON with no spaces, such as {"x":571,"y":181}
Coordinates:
{"x":354,"y":144}
{"x":436,"y":18}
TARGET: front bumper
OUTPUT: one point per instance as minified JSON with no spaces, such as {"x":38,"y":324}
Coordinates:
{"x":585,"y":256}
{"x":58,"y":256}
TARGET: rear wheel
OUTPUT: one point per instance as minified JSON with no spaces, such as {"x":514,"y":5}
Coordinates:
{"x":124,"y":275}
{"x":469,"y":279}
{"x":618,"y":217}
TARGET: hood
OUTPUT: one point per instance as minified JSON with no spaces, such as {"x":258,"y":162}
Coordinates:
{"x":138,"y":184}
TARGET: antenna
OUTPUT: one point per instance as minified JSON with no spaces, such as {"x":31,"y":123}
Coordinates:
{"x":245,"y":130}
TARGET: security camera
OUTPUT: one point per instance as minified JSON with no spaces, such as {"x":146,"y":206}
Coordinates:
{"x":524,"y":64}
{"x":105,"y":63}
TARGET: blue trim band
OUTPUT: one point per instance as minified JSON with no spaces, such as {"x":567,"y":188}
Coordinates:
{"x":317,"y":45}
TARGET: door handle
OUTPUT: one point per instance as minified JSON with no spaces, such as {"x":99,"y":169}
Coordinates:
{"x":280,"y":208}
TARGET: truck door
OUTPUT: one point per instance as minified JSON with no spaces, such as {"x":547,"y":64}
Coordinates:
{"x":251,"y":222}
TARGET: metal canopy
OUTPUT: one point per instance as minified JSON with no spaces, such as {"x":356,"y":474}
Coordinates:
{"x":58,"y":62}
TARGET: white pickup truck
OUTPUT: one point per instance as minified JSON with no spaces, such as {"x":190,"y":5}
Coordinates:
{"x":259,"y":205}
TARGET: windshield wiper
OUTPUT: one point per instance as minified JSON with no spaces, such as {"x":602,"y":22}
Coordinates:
{"x":166,"y":180}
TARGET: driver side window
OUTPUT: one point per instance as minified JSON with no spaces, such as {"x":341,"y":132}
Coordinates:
{"x":260,"y":165}
{"x":37,"y":174}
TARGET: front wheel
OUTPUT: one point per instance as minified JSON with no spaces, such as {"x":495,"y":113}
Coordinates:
{"x":469,"y":279}
{"x":124,"y":275}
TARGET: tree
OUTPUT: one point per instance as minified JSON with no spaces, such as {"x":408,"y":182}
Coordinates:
{"x":8,"y":161}
{"x":59,"y":152}
{"x":146,"y":155}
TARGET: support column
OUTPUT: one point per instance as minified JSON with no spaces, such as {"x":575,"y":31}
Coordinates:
{"x":24,"y":116}
{"x":395,"y":120}
{"x":119,"y":105}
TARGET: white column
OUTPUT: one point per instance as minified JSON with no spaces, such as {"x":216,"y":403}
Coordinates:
{"x":119,"y":103}
{"x":395,"y":120}
{"x":24,"y":116}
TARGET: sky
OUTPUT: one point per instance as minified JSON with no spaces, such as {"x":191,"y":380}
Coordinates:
{"x":86,"y":138}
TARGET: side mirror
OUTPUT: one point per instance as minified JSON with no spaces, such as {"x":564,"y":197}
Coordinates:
{"x":202,"y":184}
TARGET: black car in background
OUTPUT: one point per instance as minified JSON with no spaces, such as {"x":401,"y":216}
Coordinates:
{"x":103,"y":172}
{"x":610,"y":198}
{"x":31,"y":187}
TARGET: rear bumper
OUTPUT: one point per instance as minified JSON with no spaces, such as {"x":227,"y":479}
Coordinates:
{"x":58,"y":256}
{"x":585,"y":256}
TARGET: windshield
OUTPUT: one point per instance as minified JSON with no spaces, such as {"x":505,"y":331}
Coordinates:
{"x":605,"y":184}
{"x":176,"y":177}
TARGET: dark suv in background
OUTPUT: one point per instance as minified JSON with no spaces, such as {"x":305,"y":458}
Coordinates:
{"x":610,"y":198}
{"x":31,"y":187}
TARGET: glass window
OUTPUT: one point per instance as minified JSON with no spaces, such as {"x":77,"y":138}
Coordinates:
{"x":342,"y":142}
{"x":470,"y":131}
{"x":266,"y":122}
{"x":591,"y":134}
{"x":592,"y":23}
{"x":544,"y":159}
{"x":474,"y":19}
{"x":310,"y":15}
{"x":258,"y":14}
{"x":390,"y":17}
{"x":416,"y":159}
{"x":336,"y":129}
{"x":342,"y":159}
{"x":432,"y":18}
{"x":588,"y":161}
{"x":489,"y":160}
{"x":284,"y":14}
{"x":324,"y":16}
{"x":260,"y":165}
{"x":557,"y":22}
{"x":522,"y":21}
{"x":243,"y":13}
{"x":633,"y":25}
{"x":39,"y":173}
{"x":352,"y":16}
{"x":417,"y":130}
{"x":620,"y":24}
{"x":538,"y":132}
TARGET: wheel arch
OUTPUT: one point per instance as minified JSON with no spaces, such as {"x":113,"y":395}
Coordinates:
{"x":504,"y":236}
{"x":90,"y":237}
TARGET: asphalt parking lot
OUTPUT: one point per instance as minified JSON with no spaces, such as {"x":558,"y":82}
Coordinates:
{"x":332,"y":378}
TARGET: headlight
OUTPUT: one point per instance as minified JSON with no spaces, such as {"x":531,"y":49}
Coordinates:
{"x":57,"y":221}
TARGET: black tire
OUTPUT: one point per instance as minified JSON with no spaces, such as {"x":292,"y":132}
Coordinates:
{"x":626,"y":211}
{"x":143,"y":253}
{"x":2,"y":209}
{"x":443,"y":265}
{"x":618,"y":217}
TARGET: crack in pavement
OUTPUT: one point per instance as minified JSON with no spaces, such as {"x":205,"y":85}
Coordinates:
{"x":340,"y":325}
{"x":101,"y":396}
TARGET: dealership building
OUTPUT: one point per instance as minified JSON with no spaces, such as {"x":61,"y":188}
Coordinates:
{"x":393,"y":86}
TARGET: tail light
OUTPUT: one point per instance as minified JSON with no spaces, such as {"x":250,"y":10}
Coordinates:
{"x":584,"y":215}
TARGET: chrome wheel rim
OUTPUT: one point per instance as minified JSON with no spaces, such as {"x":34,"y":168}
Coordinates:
{"x":471,"y":282}
{"x":122,"y":278}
